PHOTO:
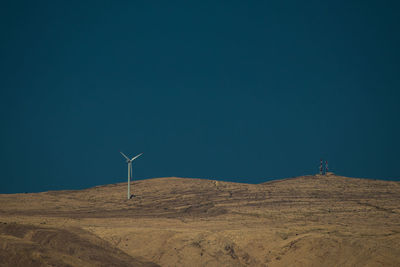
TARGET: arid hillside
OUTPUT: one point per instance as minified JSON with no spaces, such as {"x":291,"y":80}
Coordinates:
{"x":305,"y":221}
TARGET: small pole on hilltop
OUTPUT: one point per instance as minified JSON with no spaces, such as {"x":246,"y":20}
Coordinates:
{"x":321,"y":168}
{"x":326,"y":167}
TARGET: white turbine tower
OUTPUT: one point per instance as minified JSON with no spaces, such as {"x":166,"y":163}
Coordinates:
{"x":129,"y":161}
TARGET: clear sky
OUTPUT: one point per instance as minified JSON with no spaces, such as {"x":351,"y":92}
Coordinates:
{"x":242,"y":91}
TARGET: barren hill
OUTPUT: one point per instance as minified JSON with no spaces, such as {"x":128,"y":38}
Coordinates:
{"x":305,"y":221}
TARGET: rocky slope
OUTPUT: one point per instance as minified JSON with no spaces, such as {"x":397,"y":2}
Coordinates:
{"x":304,"y":221}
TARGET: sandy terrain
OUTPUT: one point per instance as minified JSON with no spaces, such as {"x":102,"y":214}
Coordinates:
{"x":305,"y":221}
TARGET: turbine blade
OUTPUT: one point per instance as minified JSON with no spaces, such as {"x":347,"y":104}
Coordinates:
{"x":135,"y":157}
{"x":124,"y":155}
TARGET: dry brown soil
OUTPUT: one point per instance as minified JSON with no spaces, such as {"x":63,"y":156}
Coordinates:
{"x":304,"y":221}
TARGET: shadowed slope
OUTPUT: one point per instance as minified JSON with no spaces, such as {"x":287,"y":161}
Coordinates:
{"x":28,"y":245}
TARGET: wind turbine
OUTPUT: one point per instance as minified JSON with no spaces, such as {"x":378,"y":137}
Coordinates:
{"x":129,"y":161}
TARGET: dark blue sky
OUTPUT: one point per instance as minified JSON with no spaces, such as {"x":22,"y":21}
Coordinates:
{"x":236,"y":90}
